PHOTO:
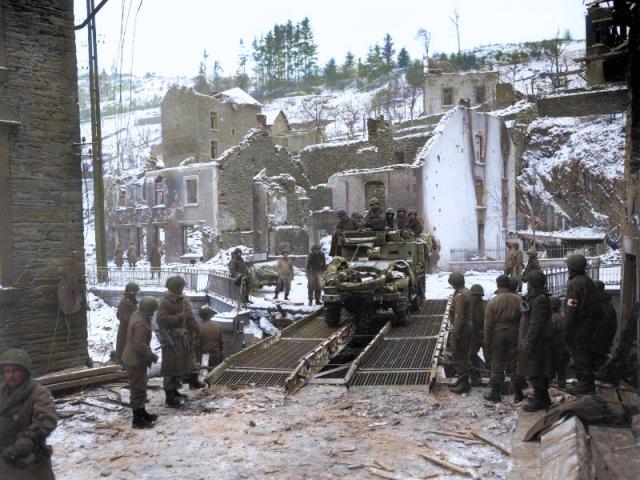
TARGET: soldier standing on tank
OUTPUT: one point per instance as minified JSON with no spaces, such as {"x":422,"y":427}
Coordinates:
{"x":535,"y":340}
{"x":461,"y":320}
{"x":126,"y":307}
{"x":137,"y":358}
{"x":27,"y":418}
{"x":119,"y":257}
{"x":605,"y":328}
{"x":177,"y":328}
{"x":358,"y":222}
{"x":502,"y":320}
{"x":345,"y":223}
{"x":155,"y":260}
{"x":477,"y":337}
{"x":240,"y":274}
{"x":132,"y":255}
{"x":581,"y":311}
{"x":560,"y":351}
{"x":532,"y":263}
{"x":211,"y":339}
{"x":389,"y":219}
{"x":401,"y":218}
{"x":315,"y":267}
{"x":285,"y":275}
{"x":414,"y":223}
{"x":375,"y":219}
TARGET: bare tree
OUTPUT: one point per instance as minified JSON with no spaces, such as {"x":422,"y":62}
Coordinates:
{"x":350,"y":114}
{"x":554,"y":52}
{"x":318,"y":110}
{"x":456,"y":22}
{"x":424,"y":35}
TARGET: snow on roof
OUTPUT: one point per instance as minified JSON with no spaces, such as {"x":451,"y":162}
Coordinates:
{"x":238,"y":96}
{"x":577,"y":233}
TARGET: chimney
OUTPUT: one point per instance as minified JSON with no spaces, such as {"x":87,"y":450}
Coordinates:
{"x":261,"y":121}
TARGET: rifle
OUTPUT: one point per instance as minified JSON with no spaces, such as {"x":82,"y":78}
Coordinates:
{"x":166,"y":339}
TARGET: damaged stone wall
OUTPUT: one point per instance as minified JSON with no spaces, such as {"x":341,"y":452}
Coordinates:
{"x":42,"y":217}
{"x":476,"y":88}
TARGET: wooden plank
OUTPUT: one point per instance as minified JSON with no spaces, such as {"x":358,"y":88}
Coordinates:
{"x":564,"y":452}
{"x":87,"y":372}
{"x":525,"y":456}
{"x":614,"y":452}
{"x":80,"y":382}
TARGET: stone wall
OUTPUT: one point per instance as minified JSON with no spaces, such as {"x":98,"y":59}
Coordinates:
{"x":582,"y":103}
{"x":463,"y":87}
{"x":43,"y":217}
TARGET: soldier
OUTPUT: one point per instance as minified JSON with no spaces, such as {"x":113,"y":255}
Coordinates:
{"x":517,"y":264}
{"x":285,"y":275}
{"x":240,"y":274}
{"x":358,"y":221}
{"x":177,"y":327}
{"x":535,"y":339}
{"x":461,"y":319}
{"x":211,"y":340}
{"x":479,"y":305}
{"x":155,"y":260}
{"x":137,"y":357}
{"x":582,"y":310}
{"x":560,"y":350}
{"x":119,"y":257}
{"x":508,"y":260}
{"x":605,"y":328}
{"x":344,"y":222}
{"x":389,"y":221}
{"x":27,"y":418}
{"x":126,"y":307}
{"x":434,"y":258}
{"x":532,"y":263}
{"x":401,"y":218}
{"x":374,"y":220}
{"x":502,"y":320}
{"x":316,"y":265}
{"x":132,"y":255}
{"x":414,"y":223}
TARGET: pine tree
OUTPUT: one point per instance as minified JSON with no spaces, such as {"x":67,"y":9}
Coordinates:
{"x":331,"y":73}
{"x":388,"y":54}
{"x":404,"y":61}
{"x":200,"y":83}
{"x":349,"y":66}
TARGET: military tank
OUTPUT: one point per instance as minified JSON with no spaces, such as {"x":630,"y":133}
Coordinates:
{"x":374,"y":271}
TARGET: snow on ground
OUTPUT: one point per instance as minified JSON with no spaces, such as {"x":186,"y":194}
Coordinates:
{"x":438,"y":285}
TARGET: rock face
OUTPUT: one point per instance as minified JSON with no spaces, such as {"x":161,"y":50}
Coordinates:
{"x":572,"y":173}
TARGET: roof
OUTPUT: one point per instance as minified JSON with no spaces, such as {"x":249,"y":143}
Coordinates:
{"x":273,"y":114}
{"x":238,"y":96}
{"x":586,"y":234}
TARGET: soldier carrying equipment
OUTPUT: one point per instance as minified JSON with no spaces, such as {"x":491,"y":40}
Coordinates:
{"x":461,"y":320}
{"x":240,"y":274}
{"x":126,"y":307}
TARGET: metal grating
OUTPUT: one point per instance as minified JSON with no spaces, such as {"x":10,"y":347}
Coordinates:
{"x":390,"y":378}
{"x":402,"y":354}
{"x":419,"y":326}
{"x":284,"y":354}
{"x":433,"y":307}
{"x":317,"y":328}
{"x":250,"y":377}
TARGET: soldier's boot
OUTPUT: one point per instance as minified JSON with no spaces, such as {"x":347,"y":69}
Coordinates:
{"x":494,"y":393}
{"x":275,"y":297}
{"x":172,"y":400}
{"x":476,"y":379}
{"x":139,"y":420}
{"x":310,"y":301}
{"x":318,"y":301}
{"x":463,"y":387}
{"x":583,"y":388}
{"x":540,"y":401}
{"x":152,"y":417}
{"x":194,"y":383}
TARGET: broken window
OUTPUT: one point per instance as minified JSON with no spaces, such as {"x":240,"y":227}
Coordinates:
{"x":479,"y":148}
{"x":213,"y":120}
{"x":159,"y":196}
{"x":214,"y":149}
{"x":479,"y":192}
{"x":233,"y":132}
{"x":447,"y":96}
{"x":122,"y":198}
{"x":480,"y":94}
{"x":481,"y":237}
{"x":191,"y":190}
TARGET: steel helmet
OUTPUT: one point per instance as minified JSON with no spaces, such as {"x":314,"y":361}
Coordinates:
{"x":131,"y":287}
{"x":456,"y":279}
{"x":341,"y":213}
{"x":148,"y":305}
{"x":577,"y":262}
{"x":555,"y":303}
{"x":16,"y":356}
{"x":175,"y":284}
{"x":206,"y":312}
{"x":537,"y":279}
{"x":373,"y":200}
{"x":477,"y":289}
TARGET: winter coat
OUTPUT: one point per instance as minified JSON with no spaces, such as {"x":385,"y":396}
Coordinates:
{"x":582,"y":308}
{"x":132,"y":254}
{"x":237,"y":267}
{"x":285,"y":268}
{"x":532,"y":264}
{"x":27,"y":411}
{"x":502,"y":313}
{"x":560,"y":349}
{"x":517,"y":263}
{"x":535,"y":337}
{"x":390,"y":222}
{"x":415,"y":225}
{"x":155,"y":259}
{"x":119,"y":258}
{"x":375,"y":220}
{"x":137,"y":352}
{"x":178,"y":327}
{"x":211,"y":340}
{"x":508,"y":261}
{"x":345,"y":224}
{"x":401,"y":221}
{"x":606,"y":326}
{"x":126,"y":307}
{"x":477,"y":337}
{"x":316,"y":263}
{"x":461,"y":318}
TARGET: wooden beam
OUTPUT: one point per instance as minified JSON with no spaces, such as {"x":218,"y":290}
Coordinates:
{"x":81,"y":382}
{"x":89,"y":372}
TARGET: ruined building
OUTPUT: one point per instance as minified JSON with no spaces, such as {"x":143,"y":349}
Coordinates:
{"x":40,"y":186}
{"x":292,"y":137}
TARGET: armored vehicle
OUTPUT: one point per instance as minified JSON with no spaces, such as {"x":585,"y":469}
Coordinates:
{"x":373,"y":271}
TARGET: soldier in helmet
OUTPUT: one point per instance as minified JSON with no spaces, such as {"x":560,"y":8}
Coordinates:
{"x":315,"y":267}
{"x":401,"y":218}
{"x":126,"y":307}
{"x":344,"y":222}
{"x":535,"y":339}
{"x":581,"y":311}
{"x":178,"y":328}
{"x":211,"y":340}
{"x":137,"y":357}
{"x":532,"y":263}
{"x":358,"y":221}
{"x":375,"y":220}
{"x":414,"y":223}
{"x":155,"y":260}
{"x":605,"y":328}
{"x":132,"y":255}
{"x":560,"y":351}
{"x":502,"y":320}
{"x":461,"y":319}
{"x":27,"y":418}
{"x":389,"y":219}
{"x":119,"y":256}
{"x":240,"y":274}
{"x":517,"y":264}
{"x":285,"y":275}
{"x":479,"y":305}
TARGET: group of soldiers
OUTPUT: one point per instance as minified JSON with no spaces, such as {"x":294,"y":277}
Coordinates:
{"x":378,"y":220}
{"x":528,"y":337}
{"x":155,"y":257}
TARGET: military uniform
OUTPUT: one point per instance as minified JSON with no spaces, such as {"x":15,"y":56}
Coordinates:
{"x":358,"y":222}
{"x":559,"y":346}
{"x":508,"y":261}
{"x":415,"y":225}
{"x":477,"y":337}
{"x":240,"y":274}
{"x":126,"y":307}
{"x":401,"y":220}
{"x":389,"y":220}
{"x":155,"y":260}
{"x":532,"y":264}
{"x":132,"y":255}
{"x":285,"y":275}
{"x":119,"y":257}
{"x":345,"y":224}
{"x":211,"y":342}
{"x":461,"y":319}
{"x":315,"y":267}
{"x":605,"y":329}
{"x":375,"y":219}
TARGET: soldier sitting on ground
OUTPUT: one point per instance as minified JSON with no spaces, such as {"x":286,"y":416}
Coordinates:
{"x":401,"y":218}
{"x":375,"y":219}
{"x":211,"y":340}
{"x":414,"y":223}
{"x":389,"y":221}
{"x":240,"y":274}
{"x":126,"y":307}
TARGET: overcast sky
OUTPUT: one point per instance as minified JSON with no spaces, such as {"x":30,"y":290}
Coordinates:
{"x":169,"y":36}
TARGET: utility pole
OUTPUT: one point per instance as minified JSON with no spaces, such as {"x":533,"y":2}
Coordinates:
{"x":456,"y":21}
{"x":96,"y":140}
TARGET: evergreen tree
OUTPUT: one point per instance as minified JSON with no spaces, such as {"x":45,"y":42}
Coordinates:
{"x":349,"y":66}
{"x":388,"y":54}
{"x":200,"y":83}
{"x":415,"y":79}
{"x":331,"y":73}
{"x":308,"y":49}
{"x":403,"y":59}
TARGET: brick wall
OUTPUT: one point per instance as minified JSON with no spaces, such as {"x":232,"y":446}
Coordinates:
{"x":579,"y":104}
{"x":44,"y":183}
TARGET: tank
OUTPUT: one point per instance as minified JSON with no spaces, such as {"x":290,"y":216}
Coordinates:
{"x":374,"y":271}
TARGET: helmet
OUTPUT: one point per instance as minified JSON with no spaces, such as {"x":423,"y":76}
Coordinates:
{"x":536,"y":278}
{"x":206,"y":312}
{"x":316,"y":247}
{"x":401,"y":209}
{"x":391,"y":210}
{"x":456,"y":279}
{"x":16,"y":356}
{"x":373,"y":200}
{"x":356,"y":215}
{"x":175,"y":284}
{"x":533,"y":252}
{"x":477,"y":289}
{"x":148,"y":305}
{"x":412,"y":210}
{"x":237,"y":250}
{"x":599,"y":285}
{"x":555,"y":303}
{"x":502,"y":281}
{"x":341,"y":213}
{"x":131,"y":287}
{"x":577,"y":262}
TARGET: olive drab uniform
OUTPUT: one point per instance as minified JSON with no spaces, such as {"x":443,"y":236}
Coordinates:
{"x":582,"y":310}
{"x":560,"y":350}
{"x":240,"y":274}
{"x":401,"y":220}
{"x":178,"y":328}
{"x":285,"y":275}
{"x":502,"y":321}
{"x":477,"y":339}
{"x":461,"y":319}
{"x":375,"y":219}
{"x":126,"y":307}
{"x":532,"y":264}
{"x":604,"y":331}
{"x":345,"y":224}
{"x":390,"y":221}
{"x":26,"y":412}
{"x":315,"y":267}
{"x":155,"y":260}
{"x":137,"y":356}
{"x":211,"y":342}
{"x":119,"y":257}
{"x":508,"y":261}
{"x":132,"y":255}
{"x":415,"y":225}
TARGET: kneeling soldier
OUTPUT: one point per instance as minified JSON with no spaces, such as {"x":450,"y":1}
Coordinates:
{"x":211,"y":341}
